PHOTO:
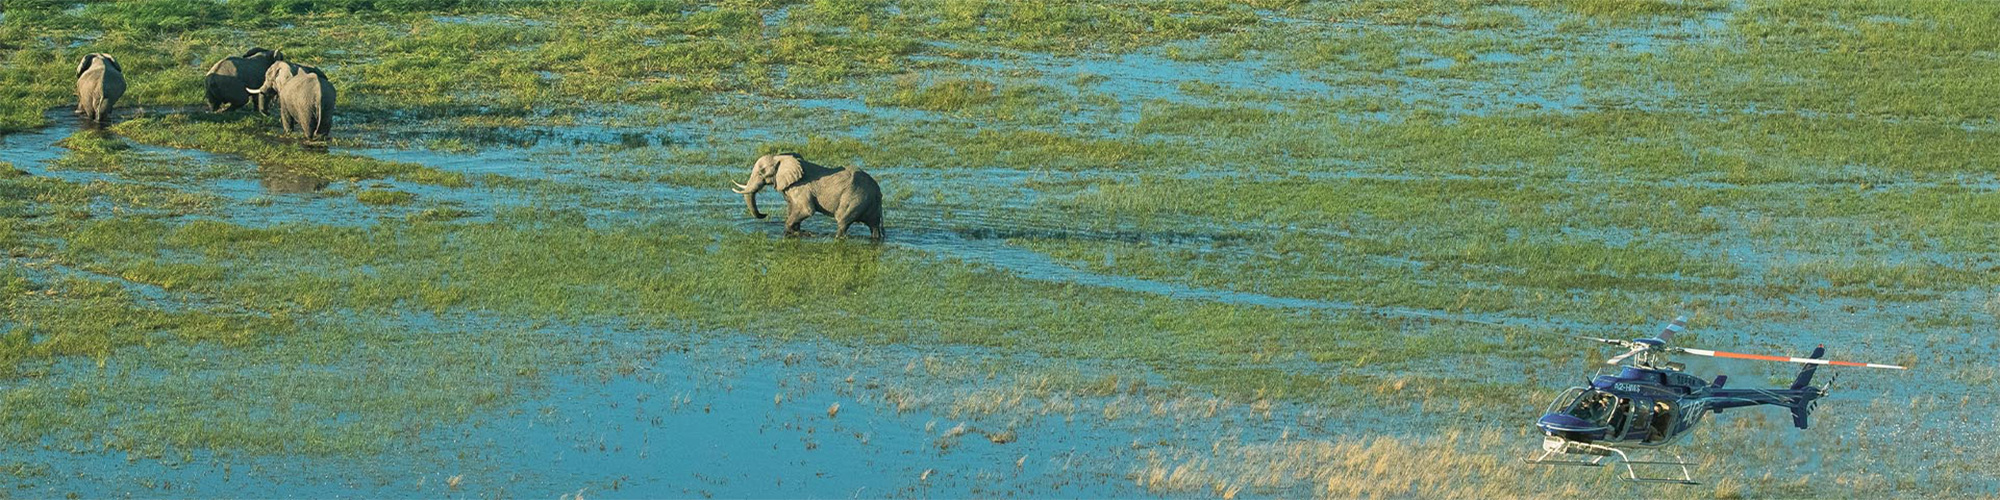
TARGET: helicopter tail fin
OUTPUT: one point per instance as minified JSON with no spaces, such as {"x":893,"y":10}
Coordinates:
{"x":1806,"y":374}
{"x":1802,"y":409}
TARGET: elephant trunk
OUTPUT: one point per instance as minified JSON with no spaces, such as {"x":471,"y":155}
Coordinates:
{"x":749,"y":193}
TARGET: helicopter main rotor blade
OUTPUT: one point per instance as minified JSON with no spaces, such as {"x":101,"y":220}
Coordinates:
{"x":1616,"y":342}
{"x":1615,"y":359}
{"x":1786,"y":359}
{"x":1679,"y":324}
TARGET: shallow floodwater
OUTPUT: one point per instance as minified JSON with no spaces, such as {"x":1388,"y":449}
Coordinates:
{"x":703,"y":416}
{"x":729,"y":417}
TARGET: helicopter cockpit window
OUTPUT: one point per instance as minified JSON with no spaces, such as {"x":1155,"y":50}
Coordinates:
{"x":1591,"y":406}
{"x":1567,"y":399}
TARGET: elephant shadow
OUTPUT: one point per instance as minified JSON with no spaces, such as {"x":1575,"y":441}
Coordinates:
{"x":776,"y":228}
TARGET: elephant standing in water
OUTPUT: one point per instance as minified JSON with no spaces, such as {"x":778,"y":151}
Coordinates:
{"x":230,"y":79}
{"x":847,"y":194}
{"x":305,"y":98}
{"x":99,"y":84}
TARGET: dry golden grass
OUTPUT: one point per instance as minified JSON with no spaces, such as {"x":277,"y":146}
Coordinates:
{"x":1372,"y":467}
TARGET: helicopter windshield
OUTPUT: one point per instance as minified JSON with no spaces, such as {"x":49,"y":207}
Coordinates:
{"x":1590,"y":405}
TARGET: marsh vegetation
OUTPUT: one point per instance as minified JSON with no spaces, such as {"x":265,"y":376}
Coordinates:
{"x":1190,"y":247}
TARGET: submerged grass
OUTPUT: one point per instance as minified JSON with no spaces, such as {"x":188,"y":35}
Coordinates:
{"x":658,"y":273}
{"x":249,"y":138}
{"x":225,"y":380}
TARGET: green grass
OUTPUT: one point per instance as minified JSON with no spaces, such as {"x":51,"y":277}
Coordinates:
{"x":390,"y":386}
{"x":383,"y":197}
{"x":251,"y":138}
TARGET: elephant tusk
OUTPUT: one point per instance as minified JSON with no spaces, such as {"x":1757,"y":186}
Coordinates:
{"x":740,"y":188}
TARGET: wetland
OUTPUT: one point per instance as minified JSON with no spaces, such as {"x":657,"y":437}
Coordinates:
{"x":1188,"y":248}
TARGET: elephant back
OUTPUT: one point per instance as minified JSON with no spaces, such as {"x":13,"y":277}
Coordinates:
{"x":326,"y":92}
{"x":107,"y":80}
{"x":283,"y":71}
{"x":306,"y":84}
{"x":864,"y":183}
{"x":249,"y":72}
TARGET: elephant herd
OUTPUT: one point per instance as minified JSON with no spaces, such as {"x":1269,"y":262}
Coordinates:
{"x":304,"y":98}
{"x":302,"y":95}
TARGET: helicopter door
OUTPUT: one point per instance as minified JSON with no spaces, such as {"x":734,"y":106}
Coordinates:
{"x":1631,"y":421}
{"x":1640,"y":425}
{"x":1621,"y":418}
{"x":1664,"y":413}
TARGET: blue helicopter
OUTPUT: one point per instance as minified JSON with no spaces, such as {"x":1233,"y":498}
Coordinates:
{"x":1651,"y":403}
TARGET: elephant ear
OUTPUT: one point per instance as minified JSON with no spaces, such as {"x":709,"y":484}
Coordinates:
{"x":789,"y":171}
{"x":84,"y":65}
{"x":277,"y":55}
{"x":112,"y":62}
{"x":253,"y":51}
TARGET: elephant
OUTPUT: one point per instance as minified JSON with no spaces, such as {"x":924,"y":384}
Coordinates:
{"x":275,"y":78}
{"x":848,"y":194}
{"x":305,"y":99}
{"x":230,"y":79}
{"x":100,"y":81}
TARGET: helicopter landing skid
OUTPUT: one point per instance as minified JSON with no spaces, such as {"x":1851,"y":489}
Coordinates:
{"x":1553,"y":447}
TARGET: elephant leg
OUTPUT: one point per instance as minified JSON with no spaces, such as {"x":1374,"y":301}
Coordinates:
{"x":873,"y":218}
{"x":843,"y":220}
{"x":875,"y":231}
{"x":792,"y":220}
{"x":798,"y":206}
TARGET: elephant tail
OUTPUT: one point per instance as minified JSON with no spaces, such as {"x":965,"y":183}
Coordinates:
{"x":318,"y":124}
{"x":311,"y":123}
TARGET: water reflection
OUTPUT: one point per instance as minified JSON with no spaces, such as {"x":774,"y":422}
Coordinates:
{"x":281,"y":180}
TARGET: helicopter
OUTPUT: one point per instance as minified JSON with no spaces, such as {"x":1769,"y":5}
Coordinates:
{"x":1651,"y":403}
